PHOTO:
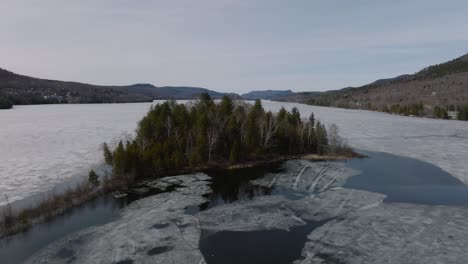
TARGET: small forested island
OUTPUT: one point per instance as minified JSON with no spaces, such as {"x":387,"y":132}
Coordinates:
{"x":175,"y":138}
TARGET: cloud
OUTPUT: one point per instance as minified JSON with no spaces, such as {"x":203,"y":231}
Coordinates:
{"x":229,"y":45}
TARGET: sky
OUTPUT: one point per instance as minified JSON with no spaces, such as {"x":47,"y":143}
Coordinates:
{"x":230,"y":45}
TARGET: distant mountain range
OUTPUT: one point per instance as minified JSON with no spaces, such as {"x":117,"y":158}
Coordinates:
{"x":20,"y":89}
{"x":171,"y":92}
{"x":433,"y":91}
{"x":439,"y":87}
{"x":267,"y":94}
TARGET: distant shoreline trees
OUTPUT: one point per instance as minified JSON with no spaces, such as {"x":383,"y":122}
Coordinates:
{"x":5,"y":103}
{"x":439,"y":112}
{"x":175,"y":136}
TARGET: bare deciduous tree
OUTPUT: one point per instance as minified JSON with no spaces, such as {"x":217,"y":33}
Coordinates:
{"x":218,"y":123}
{"x":169,"y":124}
{"x":334,"y":139}
{"x":268,"y":127}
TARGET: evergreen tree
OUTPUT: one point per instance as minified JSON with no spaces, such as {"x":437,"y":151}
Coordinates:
{"x":226,"y":106}
{"x":107,"y":154}
{"x":119,"y":160}
{"x":93,"y":179}
{"x":5,"y":103}
{"x":322,"y":138}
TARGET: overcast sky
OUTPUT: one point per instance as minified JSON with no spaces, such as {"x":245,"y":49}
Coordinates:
{"x":230,"y":45}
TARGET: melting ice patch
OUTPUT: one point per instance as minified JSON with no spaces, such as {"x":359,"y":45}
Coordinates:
{"x":392,"y":233}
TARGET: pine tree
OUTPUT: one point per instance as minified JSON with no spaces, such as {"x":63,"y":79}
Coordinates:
{"x":93,"y":179}
{"x":107,"y":154}
{"x":226,"y":106}
{"x":119,"y":160}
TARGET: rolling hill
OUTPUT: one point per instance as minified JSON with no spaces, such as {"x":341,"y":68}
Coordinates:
{"x":431,"y":92}
{"x":171,"y":92}
{"x":20,"y":89}
{"x":267,"y":94}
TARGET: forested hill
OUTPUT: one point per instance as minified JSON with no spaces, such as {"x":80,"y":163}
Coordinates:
{"x":172,"y":92}
{"x":430,"y":92}
{"x":19,"y":89}
{"x":267,"y":94}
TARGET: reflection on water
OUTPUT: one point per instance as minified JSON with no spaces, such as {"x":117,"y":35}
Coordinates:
{"x":264,"y":246}
{"x":18,"y":248}
{"x":233,"y":185}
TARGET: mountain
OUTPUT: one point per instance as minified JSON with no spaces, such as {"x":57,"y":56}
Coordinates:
{"x":171,"y":92}
{"x":383,"y":81}
{"x":442,"y":86}
{"x":20,"y":89}
{"x":267,"y":94}
{"x":297,"y":97}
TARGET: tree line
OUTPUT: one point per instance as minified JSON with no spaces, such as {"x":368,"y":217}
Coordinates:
{"x":175,"y":136}
{"x":440,"y":112}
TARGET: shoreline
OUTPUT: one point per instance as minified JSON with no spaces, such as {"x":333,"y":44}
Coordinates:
{"x":375,"y":111}
{"x":56,"y":205}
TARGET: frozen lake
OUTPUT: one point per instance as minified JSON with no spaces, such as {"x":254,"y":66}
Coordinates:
{"x":45,"y":145}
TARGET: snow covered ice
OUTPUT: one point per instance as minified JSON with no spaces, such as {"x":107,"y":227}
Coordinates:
{"x":306,"y":176}
{"x":392,"y":233}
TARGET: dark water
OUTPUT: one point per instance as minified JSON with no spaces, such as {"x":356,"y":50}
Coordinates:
{"x":18,"y":248}
{"x":233,"y":185}
{"x":402,"y":179}
{"x":102,"y":210}
{"x":265,"y":246}
{"x":407,"y":180}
